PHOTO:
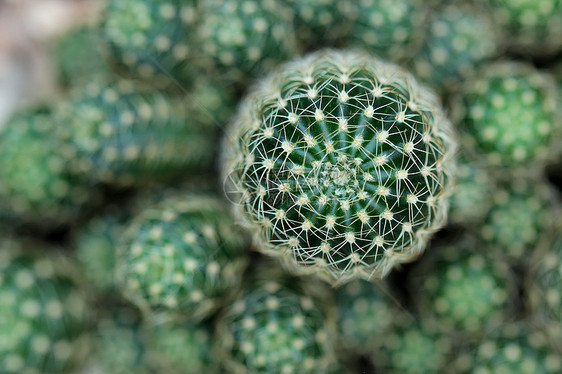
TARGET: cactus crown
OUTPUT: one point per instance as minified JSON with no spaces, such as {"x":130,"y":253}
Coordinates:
{"x":341,"y":162}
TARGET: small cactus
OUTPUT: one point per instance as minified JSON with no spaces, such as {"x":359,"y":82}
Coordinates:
{"x":278,"y":324}
{"x":43,"y":313}
{"x":342,"y":164}
{"x":181,"y":255}
{"x":508,"y":114}
{"x":124,"y":133}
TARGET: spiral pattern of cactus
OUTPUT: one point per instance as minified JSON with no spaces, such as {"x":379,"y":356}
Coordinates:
{"x":125,"y":133}
{"x":278,"y":324}
{"x":43,"y":312}
{"x":342,"y":165}
{"x":181,"y":255}
{"x":509,"y":115}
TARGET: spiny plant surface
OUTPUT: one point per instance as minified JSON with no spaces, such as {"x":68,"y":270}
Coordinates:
{"x":125,"y":133}
{"x":465,"y":290}
{"x":181,"y":255}
{"x":35,"y":184}
{"x":153,"y":39}
{"x":246,"y":38}
{"x":278,"y":324}
{"x":391,"y":29}
{"x":43,"y":313}
{"x":365,"y":314}
{"x":529,"y":27}
{"x":342,"y":165}
{"x":513,"y":348}
{"x":458,"y":39}
{"x":548,"y":282}
{"x":509,"y":115}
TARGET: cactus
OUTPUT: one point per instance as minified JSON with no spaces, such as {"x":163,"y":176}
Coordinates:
{"x":35,"y":184}
{"x":392,"y":29}
{"x":508,"y":114}
{"x":278,"y":324}
{"x":514,"y":348}
{"x":123,"y":133}
{"x":458,"y":39}
{"x":547,"y":291}
{"x":529,"y":27}
{"x":366,"y":311}
{"x":181,"y":255}
{"x":245,"y":38}
{"x":466,"y":291}
{"x":342,"y":164}
{"x":413,"y":347}
{"x":154,"y":40}
{"x":522,"y":213}
{"x":180,"y":346}
{"x":43,"y":312}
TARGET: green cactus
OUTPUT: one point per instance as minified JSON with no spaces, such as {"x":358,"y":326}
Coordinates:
{"x":466,"y":291}
{"x":413,"y":347}
{"x":391,"y":29}
{"x":278,"y":324}
{"x":154,"y":40}
{"x":458,"y":39}
{"x":124,"y":133}
{"x":514,"y":348}
{"x":342,"y":165}
{"x":35,"y":183}
{"x":180,"y":346}
{"x":43,"y":311}
{"x":246,"y":38}
{"x":547,"y":291}
{"x":508,"y":114}
{"x":366,"y":311}
{"x":181,"y":255}
{"x":522,"y":213}
{"x":529,"y":27}
{"x":471,"y":198}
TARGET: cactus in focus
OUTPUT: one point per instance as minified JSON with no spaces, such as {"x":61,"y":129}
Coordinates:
{"x":278,"y":324}
{"x":153,"y":39}
{"x":182,"y":254}
{"x":508,"y":114}
{"x":43,"y":312}
{"x":245,"y":38}
{"x":124,"y":133}
{"x":342,"y":165}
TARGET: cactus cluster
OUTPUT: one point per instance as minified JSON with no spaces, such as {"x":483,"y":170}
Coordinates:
{"x":342,"y":164}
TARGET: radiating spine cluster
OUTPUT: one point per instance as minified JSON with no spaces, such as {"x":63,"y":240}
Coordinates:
{"x":342,"y":165}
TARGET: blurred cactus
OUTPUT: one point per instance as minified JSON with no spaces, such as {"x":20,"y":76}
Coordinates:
{"x":342,"y":165}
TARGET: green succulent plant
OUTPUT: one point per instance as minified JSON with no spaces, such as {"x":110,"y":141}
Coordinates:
{"x":508,"y":115}
{"x":547,"y":290}
{"x":125,"y":133}
{"x":43,"y":311}
{"x":181,"y":255}
{"x":278,"y":324}
{"x":341,"y":165}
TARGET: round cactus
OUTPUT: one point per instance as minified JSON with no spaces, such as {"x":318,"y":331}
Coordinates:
{"x":153,"y":39}
{"x":366,"y":311}
{"x":124,"y":133}
{"x":43,"y":312}
{"x":508,"y":114}
{"x":392,"y":29}
{"x":529,"y":26}
{"x":458,"y":39}
{"x":342,"y":164}
{"x":522,"y":212}
{"x":514,"y":348}
{"x":413,"y":347}
{"x":247,"y":37}
{"x":466,"y":291}
{"x":35,"y":183}
{"x":278,"y":324}
{"x":180,"y":346}
{"x":183,"y":254}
